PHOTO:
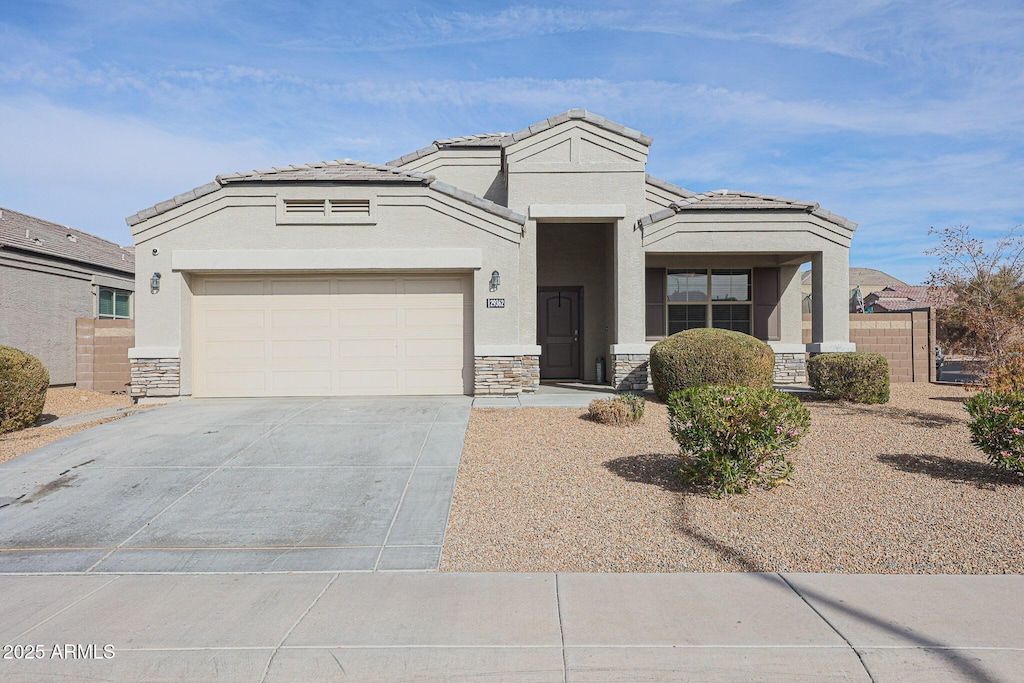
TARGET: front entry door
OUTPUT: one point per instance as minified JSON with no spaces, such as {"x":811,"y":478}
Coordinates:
{"x":558,"y":320}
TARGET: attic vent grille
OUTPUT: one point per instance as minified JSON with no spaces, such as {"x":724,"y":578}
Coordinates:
{"x":349,"y":207}
{"x":304,"y":207}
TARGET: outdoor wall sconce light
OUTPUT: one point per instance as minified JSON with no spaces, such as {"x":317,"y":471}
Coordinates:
{"x":495,"y":280}
{"x":154,"y":283}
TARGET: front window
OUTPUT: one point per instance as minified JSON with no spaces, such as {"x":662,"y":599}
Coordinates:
{"x":709,"y":298}
{"x":114,"y":303}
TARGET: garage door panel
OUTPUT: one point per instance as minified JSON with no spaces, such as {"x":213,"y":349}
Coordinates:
{"x":233,"y":319}
{"x":234,"y":287}
{"x":368,"y":382}
{"x":372,"y":347}
{"x":433,"y":286}
{"x":368,"y":317}
{"x":236,"y":383}
{"x":300,"y":350}
{"x":231,"y":349}
{"x":299,"y":287}
{"x":300,"y":318}
{"x":315,"y":381}
{"x":366,"y":285}
{"x":342,"y":335}
{"x":434,"y":316}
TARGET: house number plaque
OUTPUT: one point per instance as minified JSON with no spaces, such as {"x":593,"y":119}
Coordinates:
{"x":495,"y":303}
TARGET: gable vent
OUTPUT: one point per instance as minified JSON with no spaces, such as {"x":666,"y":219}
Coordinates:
{"x":304,"y":207}
{"x":349,"y":207}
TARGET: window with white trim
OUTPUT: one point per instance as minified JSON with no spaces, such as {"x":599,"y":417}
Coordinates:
{"x":114,"y":303}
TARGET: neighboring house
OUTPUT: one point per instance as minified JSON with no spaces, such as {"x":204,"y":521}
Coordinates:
{"x":50,"y":275}
{"x":905,"y":298}
{"x":476,"y":265}
{"x":868,"y":279}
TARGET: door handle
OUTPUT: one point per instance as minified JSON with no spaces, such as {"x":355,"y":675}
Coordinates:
{"x":575,"y":335}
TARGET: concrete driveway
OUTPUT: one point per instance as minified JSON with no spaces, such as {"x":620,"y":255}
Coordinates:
{"x":239,"y":485}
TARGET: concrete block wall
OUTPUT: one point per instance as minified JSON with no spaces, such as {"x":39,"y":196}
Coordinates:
{"x":102,"y":354}
{"x":907,"y":340}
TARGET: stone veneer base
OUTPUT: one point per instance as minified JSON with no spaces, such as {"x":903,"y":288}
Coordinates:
{"x":505,"y":375}
{"x":630,"y":371}
{"x":790,"y":368}
{"x":155,"y":377}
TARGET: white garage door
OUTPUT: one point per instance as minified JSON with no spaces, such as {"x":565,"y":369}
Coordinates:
{"x":338,"y":335}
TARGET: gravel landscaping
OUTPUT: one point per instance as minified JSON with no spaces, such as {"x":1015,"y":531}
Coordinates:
{"x":894,"y":488}
{"x":59,"y":403}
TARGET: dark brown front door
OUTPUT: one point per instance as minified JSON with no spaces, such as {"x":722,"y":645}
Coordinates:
{"x":558,"y":323}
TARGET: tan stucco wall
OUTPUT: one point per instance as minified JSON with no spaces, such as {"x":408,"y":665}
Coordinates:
{"x":473,"y":170}
{"x":579,"y":165}
{"x":571,"y":255}
{"x":244,"y":218}
{"x":787,"y":238}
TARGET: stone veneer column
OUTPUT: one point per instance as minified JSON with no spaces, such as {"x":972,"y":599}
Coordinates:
{"x":630,"y":371}
{"x":505,"y":375}
{"x":155,"y":377}
{"x":790,"y":368}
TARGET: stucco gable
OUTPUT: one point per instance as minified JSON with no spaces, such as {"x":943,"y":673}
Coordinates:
{"x":505,"y":140}
{"x":338,"y":171}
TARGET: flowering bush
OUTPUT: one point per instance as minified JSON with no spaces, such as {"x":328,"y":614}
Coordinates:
{"x":736,"y":437}
{"x":997,"y":427}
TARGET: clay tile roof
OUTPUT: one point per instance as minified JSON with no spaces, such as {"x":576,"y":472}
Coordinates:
{"x":28,"y":233}
{"x":735,"y":200}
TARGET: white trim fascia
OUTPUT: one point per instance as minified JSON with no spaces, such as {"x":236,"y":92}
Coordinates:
{"x":506,"y":350}
{"x":831,"y":347}
{"x":326,"y":259}
{"x":782,"y":347}
{"x":631,"y":349}
{"x":577,"y":212}
{"x":154,"y":352}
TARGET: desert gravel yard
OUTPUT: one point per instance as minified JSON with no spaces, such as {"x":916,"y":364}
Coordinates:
{"x":59,"y":403}
{"x":896,"y":488}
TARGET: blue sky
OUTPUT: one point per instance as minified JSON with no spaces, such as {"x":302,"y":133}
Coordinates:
{"x":898,"y":115}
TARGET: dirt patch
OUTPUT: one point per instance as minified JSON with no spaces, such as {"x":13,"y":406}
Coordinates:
{"x":896,"y":488}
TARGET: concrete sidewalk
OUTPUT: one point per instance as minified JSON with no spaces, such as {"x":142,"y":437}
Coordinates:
{"x":514,"y":627}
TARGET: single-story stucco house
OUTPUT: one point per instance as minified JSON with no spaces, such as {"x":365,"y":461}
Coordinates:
{"x":51,"y":275}
{"x":477,"y":265}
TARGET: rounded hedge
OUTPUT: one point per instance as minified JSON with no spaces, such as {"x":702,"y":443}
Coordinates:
{"x":702,"y":356}
{"x":23,"y":383}
{"x":857,"y":377}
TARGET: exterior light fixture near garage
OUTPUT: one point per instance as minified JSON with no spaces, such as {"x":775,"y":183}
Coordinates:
{"x":154,"y":283}
{"x":495,"y":280}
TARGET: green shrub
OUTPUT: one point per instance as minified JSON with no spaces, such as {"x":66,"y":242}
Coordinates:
{"x":736,"y":437}
{"x":710,"y":356}
{"x":619,"y":410}
{"x":857,"y":377}
{"x":23,"y":382}
{"x":997,"y":427}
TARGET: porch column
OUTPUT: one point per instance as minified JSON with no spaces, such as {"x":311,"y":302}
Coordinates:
{"x":629,"y":351}
{"x":830,"y":301}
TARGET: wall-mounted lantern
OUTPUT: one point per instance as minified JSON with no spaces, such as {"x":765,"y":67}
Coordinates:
{"x":154,"y":283}
{"x":495,"y":280}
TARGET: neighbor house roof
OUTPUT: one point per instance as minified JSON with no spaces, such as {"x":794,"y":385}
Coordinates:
{"x":339,"y":171}
{"x":734,"y":200}
{"x":28,"y":233}
{"x":858,"y":276}
{"x":909,"y":297}
{"x":506,"y":139}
